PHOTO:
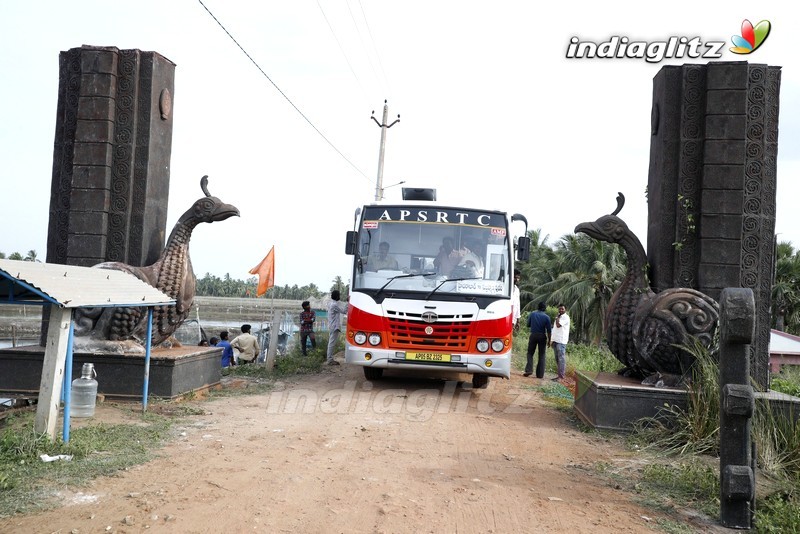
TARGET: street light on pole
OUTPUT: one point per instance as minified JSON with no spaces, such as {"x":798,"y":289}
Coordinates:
{"x":388,"y":186}
{"x":383,"y":126}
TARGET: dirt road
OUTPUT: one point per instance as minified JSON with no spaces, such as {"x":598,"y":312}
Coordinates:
{"x":335,"y":453}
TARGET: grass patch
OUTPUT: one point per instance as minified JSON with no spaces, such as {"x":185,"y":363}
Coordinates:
{"x":778,"y":513}
{"x":689,"y":483}
{"x":558,"y":395}
{"x":695,"y":429}
{"x":584,"y":357}
{"x":296,"y":364}
{"x":28,"y":484}
{"x":260,"y":379}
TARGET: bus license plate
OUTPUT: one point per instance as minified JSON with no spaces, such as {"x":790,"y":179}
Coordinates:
{"x":427,"y":356}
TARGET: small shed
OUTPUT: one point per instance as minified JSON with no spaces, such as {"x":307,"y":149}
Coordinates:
{"x":64,"y":288}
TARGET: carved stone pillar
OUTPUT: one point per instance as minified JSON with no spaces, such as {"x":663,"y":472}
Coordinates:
{"x":711,"y":185}
{"x":111,"y":156}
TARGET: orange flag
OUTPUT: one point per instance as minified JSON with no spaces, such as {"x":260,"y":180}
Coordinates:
{"x":266,"y":272}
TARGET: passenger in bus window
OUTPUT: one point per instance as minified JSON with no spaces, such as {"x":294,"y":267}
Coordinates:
{"x":382,"y":260}
{"x":470,"y":259}
{"x":447,"y":258}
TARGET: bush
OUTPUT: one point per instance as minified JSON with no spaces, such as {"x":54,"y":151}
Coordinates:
{"x":788,"y":381}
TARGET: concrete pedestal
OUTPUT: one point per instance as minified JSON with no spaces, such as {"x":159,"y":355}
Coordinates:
{"x":608,"y":401}
{"x":173,"y":372}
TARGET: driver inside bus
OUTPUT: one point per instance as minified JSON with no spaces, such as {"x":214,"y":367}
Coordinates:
{"x":382,"y":260}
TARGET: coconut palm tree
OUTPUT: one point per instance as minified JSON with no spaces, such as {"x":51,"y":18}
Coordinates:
{"x":786,"y":290}
{"x":538,"y":270}
{"x":584,"y":273}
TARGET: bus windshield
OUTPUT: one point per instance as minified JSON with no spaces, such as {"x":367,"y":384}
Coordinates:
{"x":441,"y":250}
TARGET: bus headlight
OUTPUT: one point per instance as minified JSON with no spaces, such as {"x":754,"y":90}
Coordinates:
{"x":374,"y":339}
{"x":498,"y":345}
{"x":482,"y":345}
{"x":360,"y":338}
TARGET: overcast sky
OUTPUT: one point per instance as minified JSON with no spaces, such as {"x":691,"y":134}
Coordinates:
{"x":493,"y":115}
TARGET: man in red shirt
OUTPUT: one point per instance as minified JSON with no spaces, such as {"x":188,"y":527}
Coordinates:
{"x":307,"y":318}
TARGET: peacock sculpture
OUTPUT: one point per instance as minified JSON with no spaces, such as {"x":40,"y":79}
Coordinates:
{"x":172,"y":274}
{"x":645,"y":330}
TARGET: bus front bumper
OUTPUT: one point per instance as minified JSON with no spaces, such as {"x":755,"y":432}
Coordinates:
{"x":495,"y":364}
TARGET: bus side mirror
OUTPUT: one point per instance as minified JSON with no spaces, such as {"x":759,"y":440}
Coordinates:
{"x":523,"y":248}
{"x":350,"y":243}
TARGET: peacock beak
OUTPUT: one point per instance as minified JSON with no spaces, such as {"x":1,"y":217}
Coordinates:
{"x":224,"y":211}
{"x":591,"y":229}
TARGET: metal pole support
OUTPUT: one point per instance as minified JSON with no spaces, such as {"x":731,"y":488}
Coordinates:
{"x":737,"y":402}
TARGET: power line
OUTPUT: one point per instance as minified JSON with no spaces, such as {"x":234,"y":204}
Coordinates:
{"x":282,"y":93}
{"x":363,"y":92}
{"x":375,"y":47}
{"x":361,"y":40}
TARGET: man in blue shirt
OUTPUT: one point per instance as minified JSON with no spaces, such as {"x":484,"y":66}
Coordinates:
{"x":539,"y":323}
{"x":227,"y":350}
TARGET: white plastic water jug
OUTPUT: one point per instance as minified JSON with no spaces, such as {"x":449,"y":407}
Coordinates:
{"x":84,"y":392}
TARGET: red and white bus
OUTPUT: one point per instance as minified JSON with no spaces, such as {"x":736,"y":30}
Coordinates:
{"x":431,"y":288}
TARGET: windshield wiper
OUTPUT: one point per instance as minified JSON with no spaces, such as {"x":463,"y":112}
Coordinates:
{"x":392,"y":279}
{"x":435,"y":289}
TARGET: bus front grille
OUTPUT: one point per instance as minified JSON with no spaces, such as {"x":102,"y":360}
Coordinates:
{"x":409,"y":335}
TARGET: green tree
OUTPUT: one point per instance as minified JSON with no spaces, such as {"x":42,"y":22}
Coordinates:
{"x":785,"y":292}
{"x":537,"y":271}
{"x":15,"y":256}
{"x":32,"y":256}
{"x":344,"y":289}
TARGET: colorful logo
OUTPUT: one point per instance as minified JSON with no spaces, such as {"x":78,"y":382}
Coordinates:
{"x":751,"y":37}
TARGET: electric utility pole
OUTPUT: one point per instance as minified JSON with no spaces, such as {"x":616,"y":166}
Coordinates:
{"x":383,"y":126}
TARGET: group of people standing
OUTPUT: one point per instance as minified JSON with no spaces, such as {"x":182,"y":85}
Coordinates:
{"x":248,"y":348}
{"x":544,"y":333}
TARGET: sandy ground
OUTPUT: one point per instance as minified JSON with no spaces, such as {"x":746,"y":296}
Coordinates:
{"x":335,"y":453}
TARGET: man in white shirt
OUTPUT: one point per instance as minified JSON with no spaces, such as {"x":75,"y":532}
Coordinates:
{"x":247,"y":345}
{"x":515,"y":301}
{"x":335,"y":312}
{"x":558,"y":340}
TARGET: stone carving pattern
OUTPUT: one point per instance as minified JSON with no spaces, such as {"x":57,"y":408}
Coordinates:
{"x":70,"y":76}
{"x":759,"y":200}
{"x":690,"y":169}
{"x":124,"y":126}
{"x":140,"y":167}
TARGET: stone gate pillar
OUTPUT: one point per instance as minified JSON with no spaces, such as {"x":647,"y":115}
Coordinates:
{"x":113,"y":140}
{"x":711,"y":185}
